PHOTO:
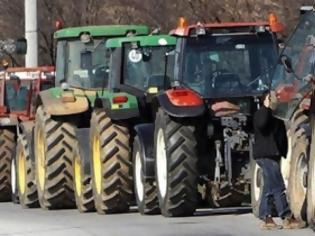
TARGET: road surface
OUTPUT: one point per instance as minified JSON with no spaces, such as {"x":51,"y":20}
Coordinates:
{"x":15,"y":221}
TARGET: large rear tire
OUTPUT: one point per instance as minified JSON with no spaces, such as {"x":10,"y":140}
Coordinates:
{"x":176,"y":166}
{"x":297,"y":185}
{"x":111,"y":164}
{"x":310,"y":209}
{"x":145,"y":191}
{"x":54,"y":141}
{"x":26,"y":174}
{"x":7,"y":147}
{"x":82,"y":184}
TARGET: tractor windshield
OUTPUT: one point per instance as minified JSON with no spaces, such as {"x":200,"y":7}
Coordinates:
{"x":17,"y":94}
{"x":296,"y":68}
{"x":228,"y":65}
{"x":81,"y":64}
{"x":144,"y":67}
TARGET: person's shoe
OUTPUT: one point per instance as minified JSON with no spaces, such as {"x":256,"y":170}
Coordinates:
{"x":292,"y":223}
{"x":269,"y":224}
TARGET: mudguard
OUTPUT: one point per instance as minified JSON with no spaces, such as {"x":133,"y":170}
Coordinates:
{"x":53,"y":104}
{"x":123,"y":111}
{"x":179,"y":111}
{"x":83,"y":137}
{"x":145,"y":133}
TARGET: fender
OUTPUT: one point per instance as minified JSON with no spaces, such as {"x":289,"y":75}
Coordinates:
{"x":187,"y":104}
{"x":119,"y":111}
{"x":83,"y":137}
{"x":52,"y":102}
{"x":145,"y":133}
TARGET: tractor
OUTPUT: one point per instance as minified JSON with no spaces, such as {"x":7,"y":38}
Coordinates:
{"x":293,"y":82}
{"x":136,"y":74}
{"x":199,"y":148}
{"x":65,"y":110}
{"x":19,"y":88}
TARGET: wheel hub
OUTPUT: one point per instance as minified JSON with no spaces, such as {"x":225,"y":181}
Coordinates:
{"x":41,"y":171}
{"x":139,"y":183}
{"x":77,"y":176}
{"x":22,"y":171}
{"x":161,"y":164}
{"x":258,"y":182}
{"x":97,"y":164}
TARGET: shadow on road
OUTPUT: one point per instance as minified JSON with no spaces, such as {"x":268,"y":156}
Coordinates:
{"x":223,"y":211}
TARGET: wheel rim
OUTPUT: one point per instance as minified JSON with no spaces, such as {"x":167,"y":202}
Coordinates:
{"x":97,"y":164}
{"x":13,"y":176}
{"x":302,"y":173}
{"x":257,"y":183}
{"x":77,"y":175}
{"x":161,"y":163}
{"x":41,"y":171}
{"x":22,"y":172}
{"x":139,"y":183}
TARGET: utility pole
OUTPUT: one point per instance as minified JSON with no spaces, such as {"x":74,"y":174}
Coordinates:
{"x":31,"y":59}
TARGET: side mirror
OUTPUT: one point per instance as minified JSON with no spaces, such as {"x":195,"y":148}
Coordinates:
{"x":287,"y":63}
{"x":21,"y":46}
{"x":86,"y":60}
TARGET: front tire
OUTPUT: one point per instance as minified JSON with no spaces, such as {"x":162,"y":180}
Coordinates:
{"x":26,"y":174}
{"x":145,"y":191}
{"x":7,"y":147}
{"x":297,"y":186}
{"x":111,"y":164}
{"x":176,"y":166}
{"x":310,"y":209}
{"x":54,"y":141}
{"x":82,"y":184}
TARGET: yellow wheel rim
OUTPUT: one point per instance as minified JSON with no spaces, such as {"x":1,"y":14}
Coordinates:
{"x":97,"y":164}
{"x":77,"y":176}
{"x":41,"y":172}
{"x":22,"y":171}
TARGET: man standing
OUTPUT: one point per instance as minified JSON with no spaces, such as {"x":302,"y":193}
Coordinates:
{"x":270,"y":145}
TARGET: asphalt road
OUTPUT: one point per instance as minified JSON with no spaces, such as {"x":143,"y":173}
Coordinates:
{"x":36,"y":222}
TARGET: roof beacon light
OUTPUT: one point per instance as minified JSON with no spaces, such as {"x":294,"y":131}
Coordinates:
{"x":182,"y":22}
{"x":200,"y":30}
{"x":275,"y":25}
{"x":59,"y":24}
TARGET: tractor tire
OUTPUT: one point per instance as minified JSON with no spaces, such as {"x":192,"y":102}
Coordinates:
{"x":26,"y":174}
{"x":14,"y":184}
{"x":111,"y":164}
{"x":176,"y":166}
{"x":53,"y":144}
{"x":7,"y":150}
{"x":82,"y":184}
{"x":310,"y":206}
{"x":297,"y":185}
{"x":145,"y":191}
{"x":257,"y":185}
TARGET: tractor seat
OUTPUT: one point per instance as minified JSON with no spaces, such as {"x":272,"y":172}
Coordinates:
{"x":227,"y":82}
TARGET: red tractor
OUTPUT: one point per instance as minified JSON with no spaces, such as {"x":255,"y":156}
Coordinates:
{"x":201,"y":141}
{"x":19,"y":88}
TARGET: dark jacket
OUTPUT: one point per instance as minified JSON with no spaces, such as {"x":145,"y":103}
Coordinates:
{"x":270,"y":135}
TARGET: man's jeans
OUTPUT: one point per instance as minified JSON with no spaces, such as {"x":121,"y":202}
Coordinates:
{"x":273,"y":190}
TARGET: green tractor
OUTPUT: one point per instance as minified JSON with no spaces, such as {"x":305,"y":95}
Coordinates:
{"x":64,"y":110}
{"x":136,"y":73}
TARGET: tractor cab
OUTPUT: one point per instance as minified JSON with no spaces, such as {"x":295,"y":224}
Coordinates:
{"x":19,"y":88}
{"x":81,"y":58}
{"x":230,"y":60}
{"x":139,"y":67}
{"x":295,"y":70}
{"x":138,"y":64}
